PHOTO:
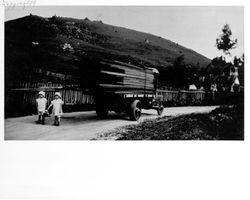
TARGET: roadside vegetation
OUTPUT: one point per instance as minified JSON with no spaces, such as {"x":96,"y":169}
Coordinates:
{"x":224,"y":123}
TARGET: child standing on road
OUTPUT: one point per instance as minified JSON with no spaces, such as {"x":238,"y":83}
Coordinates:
{"x":41,"y":102}
{"x":57,"y":108}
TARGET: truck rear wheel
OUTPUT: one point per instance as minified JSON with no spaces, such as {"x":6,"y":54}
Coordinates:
{"x":135,"y":110}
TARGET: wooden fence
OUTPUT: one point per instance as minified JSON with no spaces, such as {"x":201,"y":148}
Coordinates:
{"x":182,"y":97}
{"x":69,"y":96}
{"x":21,"y":101}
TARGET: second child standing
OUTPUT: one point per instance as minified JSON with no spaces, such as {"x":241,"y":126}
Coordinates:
{"x":57,"y":108}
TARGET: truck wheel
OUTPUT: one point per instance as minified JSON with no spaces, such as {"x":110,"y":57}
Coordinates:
{"x":101,"y":111}
{"x":135,"y":112}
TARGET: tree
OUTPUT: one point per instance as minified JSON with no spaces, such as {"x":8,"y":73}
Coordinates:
{"x":180,"y":71}
{"x":224,"y":42}
{"x":179,"y":61}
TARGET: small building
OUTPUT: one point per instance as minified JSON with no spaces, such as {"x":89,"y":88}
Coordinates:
{"x":234,"y":76}
{"x":192,"y":87}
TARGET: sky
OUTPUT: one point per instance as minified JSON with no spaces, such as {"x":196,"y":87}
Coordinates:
{"x":195,"y":27}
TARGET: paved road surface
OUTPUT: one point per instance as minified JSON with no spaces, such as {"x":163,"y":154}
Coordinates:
{"x":81,"y":125}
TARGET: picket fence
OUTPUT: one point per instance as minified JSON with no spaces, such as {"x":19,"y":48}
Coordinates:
{"x":22,"y":101}
{"x":69,"y":96}
{"x":182,"y":97}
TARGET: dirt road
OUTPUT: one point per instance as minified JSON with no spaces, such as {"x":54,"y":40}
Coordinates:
{"x":81,"y":125}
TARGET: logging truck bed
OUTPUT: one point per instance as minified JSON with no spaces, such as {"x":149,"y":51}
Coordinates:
{"x":117,"y":76}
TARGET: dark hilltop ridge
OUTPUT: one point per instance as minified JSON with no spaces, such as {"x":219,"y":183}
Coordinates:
{"x":59,"y":44}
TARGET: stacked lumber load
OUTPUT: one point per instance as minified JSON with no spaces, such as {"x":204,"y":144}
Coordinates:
{"x":122,"y":78}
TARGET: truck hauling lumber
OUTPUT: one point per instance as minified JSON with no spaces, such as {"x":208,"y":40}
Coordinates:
{"x":123,"y":87}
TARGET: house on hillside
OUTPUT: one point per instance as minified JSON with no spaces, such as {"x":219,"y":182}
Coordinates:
{"x":192,"y":87}
{"x":234,"y":77}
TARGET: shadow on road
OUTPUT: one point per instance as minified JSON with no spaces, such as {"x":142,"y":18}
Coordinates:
{"x":86,"y":118}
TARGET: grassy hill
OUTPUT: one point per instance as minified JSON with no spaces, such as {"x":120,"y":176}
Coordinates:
{"x":61,"y":44}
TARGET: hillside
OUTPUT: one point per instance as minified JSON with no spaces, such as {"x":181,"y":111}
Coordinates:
{"x":62,"y":45}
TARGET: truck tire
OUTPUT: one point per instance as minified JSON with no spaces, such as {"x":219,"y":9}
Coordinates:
{"x":101,"y":111}
{"x":135,"y":110}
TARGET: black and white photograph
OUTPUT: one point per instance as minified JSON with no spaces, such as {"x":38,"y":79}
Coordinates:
{"x":124,"y":73}
{"x":124,"y":100}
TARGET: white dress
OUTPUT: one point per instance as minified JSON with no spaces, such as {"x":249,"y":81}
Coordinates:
{"x":41,"y":104}
{"x":57,"y":107}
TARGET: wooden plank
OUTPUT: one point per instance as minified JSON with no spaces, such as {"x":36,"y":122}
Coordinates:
{"x":139,"y":71}
{"x":122,"y":86}
{"x":125,"y":75}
